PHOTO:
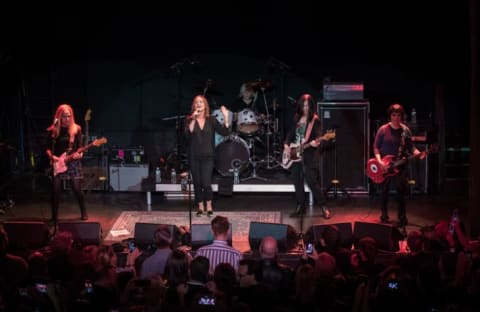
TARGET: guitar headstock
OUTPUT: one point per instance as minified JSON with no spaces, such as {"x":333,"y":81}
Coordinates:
{"x":100,"y":141}
{"x":329,"y":135}
{"x":88,"y":115}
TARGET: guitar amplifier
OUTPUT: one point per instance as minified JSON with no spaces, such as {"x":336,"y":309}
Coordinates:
{"x":343,"y":91}
{"x":129,"y":155}
{"x":128,"y":177}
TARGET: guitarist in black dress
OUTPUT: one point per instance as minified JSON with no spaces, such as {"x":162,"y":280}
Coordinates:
{"x":65,"y":136}
{"x":306,"y":130}
{"x":394,"y":138}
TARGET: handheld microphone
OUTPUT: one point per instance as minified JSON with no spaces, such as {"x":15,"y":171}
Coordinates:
{"x":55,"y":122}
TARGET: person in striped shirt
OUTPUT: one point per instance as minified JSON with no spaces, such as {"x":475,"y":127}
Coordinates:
{"x":219,"y":251}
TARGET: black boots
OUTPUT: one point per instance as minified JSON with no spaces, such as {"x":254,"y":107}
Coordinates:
{"x":299,"y":211}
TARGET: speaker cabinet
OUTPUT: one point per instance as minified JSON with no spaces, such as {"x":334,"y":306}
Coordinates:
{"x":143,"y":234}
{"x":285,"y":235}
{"x":345,"y":233}
{"x":202,"y":235}
{"x":84,"y":233}
{"x":127,"y":177}
{"x":418,"y":172}
{"x":26,"y":234}
{"x":345,"y":158}
{"x":385,"y":235}
{"x":94,"y":178}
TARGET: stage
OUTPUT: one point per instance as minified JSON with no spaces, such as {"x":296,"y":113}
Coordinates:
{"x":32,"y":202}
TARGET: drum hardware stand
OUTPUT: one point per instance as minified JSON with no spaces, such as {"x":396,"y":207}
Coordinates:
{"x":335,"y":183}
{"x":254,"y":164}
{"x":177,"y":149}
{"x":268,"y":133}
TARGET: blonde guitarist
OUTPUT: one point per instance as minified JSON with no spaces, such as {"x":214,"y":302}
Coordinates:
{"x":306,"y":131}
{"x":65,"y":138}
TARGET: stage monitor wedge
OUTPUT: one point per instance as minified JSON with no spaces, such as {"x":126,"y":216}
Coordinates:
{"x":84,"y":233}
{"x":285,"y":235}
{"x":344,"y":239}
{"x":385,"y":235}
{"x":26,"y":234}
{"x":345,"y":158}
{"x":143,"y":234}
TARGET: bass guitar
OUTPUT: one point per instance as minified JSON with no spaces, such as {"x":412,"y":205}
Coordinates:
{"x":296,"y":149}
{"x":378,"y":175}
{"x":60,"y":165}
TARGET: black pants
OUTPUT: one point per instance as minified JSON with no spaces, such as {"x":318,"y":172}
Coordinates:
{"x":312,"y":176}
{"x":57,"y":190}
{"x":202,"y":171}
{"x":400,"y":180}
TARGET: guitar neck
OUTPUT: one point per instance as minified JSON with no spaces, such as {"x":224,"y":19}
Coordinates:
{"x":81,"y":150}
{"x":405,"y":160}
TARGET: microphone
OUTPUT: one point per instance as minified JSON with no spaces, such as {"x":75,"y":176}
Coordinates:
{"x":196,"y":113}
{"x":55,"y":122}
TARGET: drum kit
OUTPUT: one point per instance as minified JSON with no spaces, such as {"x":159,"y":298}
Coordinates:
{"x":237,"y":152}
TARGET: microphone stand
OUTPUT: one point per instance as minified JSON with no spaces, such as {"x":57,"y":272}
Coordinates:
{"x":189,"y":182}
{"x":302,"y":214}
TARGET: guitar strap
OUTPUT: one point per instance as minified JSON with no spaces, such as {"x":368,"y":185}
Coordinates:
{"x":309,"y":128}
{"x":403,"y":136}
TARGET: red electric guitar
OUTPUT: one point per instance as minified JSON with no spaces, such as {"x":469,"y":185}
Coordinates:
{"x":378,"y":175}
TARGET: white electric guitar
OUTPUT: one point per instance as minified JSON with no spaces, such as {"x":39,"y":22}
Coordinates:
{"x":60,"y":165}
{"x":296,"y":149}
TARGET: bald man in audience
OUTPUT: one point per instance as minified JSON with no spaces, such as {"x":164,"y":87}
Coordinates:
{"x":270,"y":272}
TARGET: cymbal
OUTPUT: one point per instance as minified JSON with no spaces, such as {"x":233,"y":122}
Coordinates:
{"x":260,"y":84}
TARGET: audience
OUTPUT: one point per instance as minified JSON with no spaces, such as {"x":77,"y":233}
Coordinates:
{"x":429,"y":275}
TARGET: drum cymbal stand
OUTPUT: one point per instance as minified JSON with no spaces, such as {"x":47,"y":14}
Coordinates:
{"x":269,"y":158}
{"x":254,"y":162}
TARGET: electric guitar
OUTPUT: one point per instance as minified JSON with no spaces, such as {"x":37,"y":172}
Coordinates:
{"x":378,"y":175}
{"x":60,"y":165}
{"x":296,"y":149}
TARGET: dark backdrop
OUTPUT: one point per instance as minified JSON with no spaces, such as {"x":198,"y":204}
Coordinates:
{"x":133,"y":70}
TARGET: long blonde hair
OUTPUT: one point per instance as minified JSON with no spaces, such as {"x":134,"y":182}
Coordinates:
{"x":55,"y":126}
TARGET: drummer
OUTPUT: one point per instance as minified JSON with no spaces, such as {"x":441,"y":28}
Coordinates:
{"x":246,"y":99}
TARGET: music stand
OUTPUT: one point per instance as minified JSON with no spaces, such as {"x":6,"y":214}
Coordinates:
{"x":335,"y":182}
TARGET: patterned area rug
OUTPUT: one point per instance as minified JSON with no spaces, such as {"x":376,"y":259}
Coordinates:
{"x":124,"y":226}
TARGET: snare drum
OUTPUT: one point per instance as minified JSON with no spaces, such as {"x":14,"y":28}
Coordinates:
{"x":247,"y":122}
{"x":219,"y":116}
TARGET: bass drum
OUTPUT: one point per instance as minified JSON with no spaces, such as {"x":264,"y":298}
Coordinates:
{"x":232,"y":153}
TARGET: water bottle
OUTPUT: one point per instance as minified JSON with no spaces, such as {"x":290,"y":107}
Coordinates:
{"x":184,"y":184}
{"x":158,"y":175}
{"x":174,"y":176}
{"x":413,"y":116}
{"x":236,"y":177}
